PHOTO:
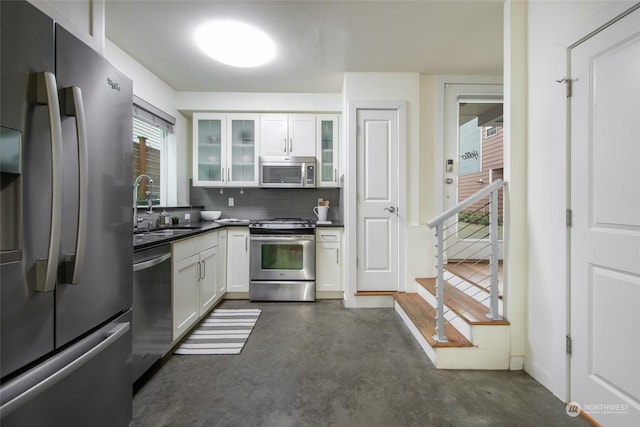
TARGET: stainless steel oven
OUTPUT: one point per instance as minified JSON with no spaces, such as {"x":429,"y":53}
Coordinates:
{"x":282,"y":260}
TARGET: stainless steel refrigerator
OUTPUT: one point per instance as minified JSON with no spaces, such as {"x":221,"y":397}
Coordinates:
{"x":66,"y":255}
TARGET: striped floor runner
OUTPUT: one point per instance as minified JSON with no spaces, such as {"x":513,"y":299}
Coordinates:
{"x":222,"y":332}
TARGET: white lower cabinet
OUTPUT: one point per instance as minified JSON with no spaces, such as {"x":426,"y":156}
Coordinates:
{"x":328,"y":259}
{"x":208,"y":279}
{"x":222,"y":262}
{"x":194,"y":280}
{"x":184,"y":301}
{"x":238,"y":259}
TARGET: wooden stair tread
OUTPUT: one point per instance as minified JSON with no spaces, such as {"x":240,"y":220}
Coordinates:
{"x":374,"y":293}
{"x":423,"y":317}
{"x":476,"y":273}
{"x":472,"y":311}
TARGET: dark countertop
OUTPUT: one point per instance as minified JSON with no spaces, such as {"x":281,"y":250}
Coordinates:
{"x":161,"y":236}
{"x":333,"y":224}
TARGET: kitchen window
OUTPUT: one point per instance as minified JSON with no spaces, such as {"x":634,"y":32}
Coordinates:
{"x":154,"y":153}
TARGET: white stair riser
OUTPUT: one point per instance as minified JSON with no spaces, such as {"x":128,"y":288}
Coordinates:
{"x":491,"y":352}
{"x":430,"y":351}
{"x":459,"y":323}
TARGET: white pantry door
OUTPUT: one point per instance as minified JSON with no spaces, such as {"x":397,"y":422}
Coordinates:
{"x":605,"y":236}
{"x":377,"y":199}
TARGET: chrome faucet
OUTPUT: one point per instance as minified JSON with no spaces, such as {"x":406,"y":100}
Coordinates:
{"x":135,"y":197}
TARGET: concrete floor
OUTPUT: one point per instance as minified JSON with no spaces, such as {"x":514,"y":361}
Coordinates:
{"x":318,"y":364}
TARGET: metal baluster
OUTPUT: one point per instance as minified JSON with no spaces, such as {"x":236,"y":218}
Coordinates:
{"x":493,"y":260}
{"x":440,"y":336}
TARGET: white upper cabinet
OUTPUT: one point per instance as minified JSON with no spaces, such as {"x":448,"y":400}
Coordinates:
{"x":327,"y":153}
{"x":292,"y":135}
{"x":225,"y":150}
{"x":242,"y":156}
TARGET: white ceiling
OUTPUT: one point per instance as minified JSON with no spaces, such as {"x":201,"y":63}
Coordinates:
{"x":318,"y":41}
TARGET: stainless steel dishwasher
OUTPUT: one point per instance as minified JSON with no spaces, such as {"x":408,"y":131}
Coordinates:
{"x":151,"y":307}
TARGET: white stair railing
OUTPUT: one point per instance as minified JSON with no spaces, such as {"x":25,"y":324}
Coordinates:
{"x":480,"y":245}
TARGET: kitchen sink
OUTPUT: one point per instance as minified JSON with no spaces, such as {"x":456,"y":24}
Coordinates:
{"x":156,"y":235}
{"x":165,"y":232}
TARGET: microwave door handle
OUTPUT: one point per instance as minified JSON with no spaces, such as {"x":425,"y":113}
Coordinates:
{"x":47,"y":93}
{"x":76,"y":108}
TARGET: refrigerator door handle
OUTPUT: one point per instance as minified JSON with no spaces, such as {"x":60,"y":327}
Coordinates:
{"x":46,"y":270}
{"x":74,"y":106}
{"x":33,"y":387}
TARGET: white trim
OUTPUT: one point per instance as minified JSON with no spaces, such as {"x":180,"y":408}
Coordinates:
{"x":350,"y":190}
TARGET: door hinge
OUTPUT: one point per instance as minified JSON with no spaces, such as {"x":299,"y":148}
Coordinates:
{"x":568,"y":83}
{"x":569,"y":217}
{"x":569,"y":344}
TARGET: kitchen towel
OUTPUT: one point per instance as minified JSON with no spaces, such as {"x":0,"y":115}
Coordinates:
{"x":224,"y":331}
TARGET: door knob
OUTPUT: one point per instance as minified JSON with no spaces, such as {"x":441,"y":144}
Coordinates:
{"x":391,"y":209}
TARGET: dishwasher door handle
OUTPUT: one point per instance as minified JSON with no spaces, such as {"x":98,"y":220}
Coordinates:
{"x":151,"y":263}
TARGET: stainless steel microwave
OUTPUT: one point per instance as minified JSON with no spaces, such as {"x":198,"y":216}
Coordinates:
{"x":292,"y":172}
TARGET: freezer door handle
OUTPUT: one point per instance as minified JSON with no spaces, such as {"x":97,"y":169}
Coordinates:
{"x":33,"y":385}
{"x":74,"y":106}
{"x":46,"y":270}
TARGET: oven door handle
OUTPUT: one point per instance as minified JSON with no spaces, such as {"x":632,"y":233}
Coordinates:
{"x":281,"y":237}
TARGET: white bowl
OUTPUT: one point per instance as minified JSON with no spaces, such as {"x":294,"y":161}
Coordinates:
{"x":210,"y":215}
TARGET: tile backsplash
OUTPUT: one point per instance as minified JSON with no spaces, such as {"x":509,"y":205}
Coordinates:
{"x":257,"y":203}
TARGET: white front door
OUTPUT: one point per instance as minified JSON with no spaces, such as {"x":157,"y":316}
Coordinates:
{"x":605,"y":236}
{"x":377,"y":200}
{"x":474,"y":158}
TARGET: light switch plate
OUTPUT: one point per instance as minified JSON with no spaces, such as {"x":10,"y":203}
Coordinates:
{"x":231,"y":201}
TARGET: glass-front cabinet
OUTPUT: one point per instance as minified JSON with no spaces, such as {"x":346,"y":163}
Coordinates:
{"x":208,"y":133}
{"x":327,"y":152}
{"x":225,"y":150}
{"x":242,"y":167}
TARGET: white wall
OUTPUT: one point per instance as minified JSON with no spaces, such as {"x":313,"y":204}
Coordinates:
{"x":552,"y":27}
{"x":515,"y":158}
{"x":156,"y":92}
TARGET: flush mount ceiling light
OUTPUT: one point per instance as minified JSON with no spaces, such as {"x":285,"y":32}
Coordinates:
{"x":235,"y":43}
